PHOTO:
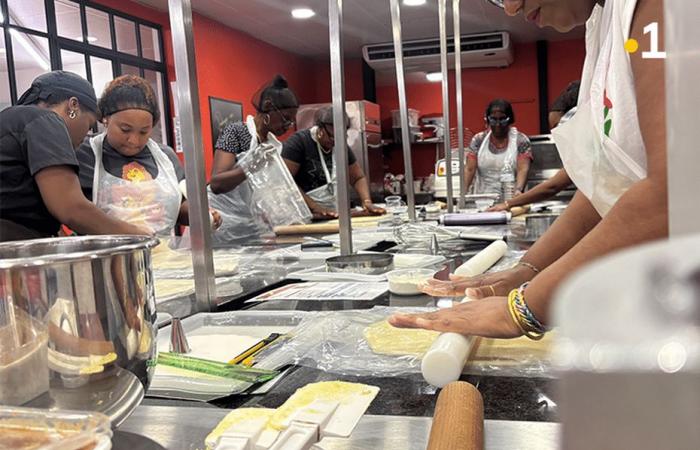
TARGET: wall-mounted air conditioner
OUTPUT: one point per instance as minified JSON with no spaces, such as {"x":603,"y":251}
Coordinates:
{"x":478,"y":50}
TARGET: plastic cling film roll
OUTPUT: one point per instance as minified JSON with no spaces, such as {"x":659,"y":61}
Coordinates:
{"x":482,"y":261}
{"x":443,"y":363}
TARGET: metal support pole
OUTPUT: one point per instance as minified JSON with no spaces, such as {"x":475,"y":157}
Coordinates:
{"x":403,"y":108}
{"x":335,"y":25}
{"x":682,"y":96}
{"x":191,"y":129}
{"x":442,"y":13}
{"x":458,"y":94}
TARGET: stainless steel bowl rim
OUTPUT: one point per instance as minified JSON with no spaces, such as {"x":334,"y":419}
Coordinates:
{"x":131,"y":244}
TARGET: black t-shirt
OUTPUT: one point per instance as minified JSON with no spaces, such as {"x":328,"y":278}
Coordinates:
{"x":301,"y":149}
{"x":142,"y":165}
{"x":31,"y":139}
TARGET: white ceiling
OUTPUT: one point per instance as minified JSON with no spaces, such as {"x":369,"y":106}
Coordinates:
{"x":365,"y":22}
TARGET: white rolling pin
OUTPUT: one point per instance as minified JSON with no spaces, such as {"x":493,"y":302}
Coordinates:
{"x":482,"y":261}
{"x":444,"y":361}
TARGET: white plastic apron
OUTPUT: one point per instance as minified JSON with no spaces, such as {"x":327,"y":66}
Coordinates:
{"x":239,"y":220}
{"x":490,"y":166}
{"x":324,"y":196}
{"x":151,"y":203}
{"x":601,"y":146}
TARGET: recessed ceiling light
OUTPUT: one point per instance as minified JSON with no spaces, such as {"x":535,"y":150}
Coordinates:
{"x":434,"y":77}
{"x":303,"y":13}
{"x":91,"y":39}
{"x":414,"y":2}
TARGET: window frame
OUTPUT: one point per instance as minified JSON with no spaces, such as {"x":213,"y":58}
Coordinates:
{"x":117,"y":58}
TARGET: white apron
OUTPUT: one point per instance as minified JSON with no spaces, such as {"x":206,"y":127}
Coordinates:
{"x":491,"y":166}
{"x":601,"y":146}
{"x":239,"y":220}
{"x":324,"y":196}
{"x":151,"y":203}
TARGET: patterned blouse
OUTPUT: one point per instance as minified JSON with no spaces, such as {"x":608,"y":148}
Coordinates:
{"x":234,"y":139}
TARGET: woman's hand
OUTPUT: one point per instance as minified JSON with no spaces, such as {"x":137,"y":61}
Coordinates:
{"x":498,"y":207}
{"x":488,"y":318}
{"x":218,"y":220}
{"x":481,"y":286}
{"x":372,"y":209}
{"x":321,"y":213}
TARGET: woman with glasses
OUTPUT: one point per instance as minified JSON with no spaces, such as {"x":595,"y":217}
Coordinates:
{"x":499,"y":156}
{"x":276,"y":108}
{"x":310,"y":159}
{"x":614,"y":150}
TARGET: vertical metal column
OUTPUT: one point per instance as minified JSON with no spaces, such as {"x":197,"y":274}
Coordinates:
{"x":442,"y":13}
{"x":682,"y":96}
{"x":335,"y":26}
{"x":191,"y":129}
{"x":403,"y":108}
{"x":458,"y":93}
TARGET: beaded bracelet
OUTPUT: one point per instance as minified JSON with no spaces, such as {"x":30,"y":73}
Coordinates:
{"x":523,"y":317}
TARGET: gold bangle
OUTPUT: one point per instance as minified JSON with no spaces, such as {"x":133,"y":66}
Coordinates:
{"x":529,"y":266}
{"x":519,"y":319}
{"x":514,"y":314}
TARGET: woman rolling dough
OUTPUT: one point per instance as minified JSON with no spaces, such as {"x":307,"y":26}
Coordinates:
{"x":310,"y":159}
{"x":618,"y":204}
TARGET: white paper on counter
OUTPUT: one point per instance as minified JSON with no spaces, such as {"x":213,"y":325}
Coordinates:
{"x":325,"y":291}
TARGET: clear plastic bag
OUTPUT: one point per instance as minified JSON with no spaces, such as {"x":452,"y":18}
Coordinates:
{"x":335,"y":341}
{"x":276,"y":197}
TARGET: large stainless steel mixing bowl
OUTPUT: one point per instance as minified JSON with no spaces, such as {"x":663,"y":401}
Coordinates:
{"x":77,"y":323}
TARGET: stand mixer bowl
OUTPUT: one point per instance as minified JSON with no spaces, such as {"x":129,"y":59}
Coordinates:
{"x":77,"y":322}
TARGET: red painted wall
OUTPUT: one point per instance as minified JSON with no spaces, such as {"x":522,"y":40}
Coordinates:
{"x":517,"y":84}
{"x":354,"y":89}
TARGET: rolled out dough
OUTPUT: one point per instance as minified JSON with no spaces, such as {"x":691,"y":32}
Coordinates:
{"x":385,"y":339}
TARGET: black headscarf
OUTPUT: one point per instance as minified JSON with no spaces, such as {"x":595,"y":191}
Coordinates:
{"x":54,"y":87}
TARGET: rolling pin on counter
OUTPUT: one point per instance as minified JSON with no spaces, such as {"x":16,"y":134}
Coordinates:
{"x":458,"y":423}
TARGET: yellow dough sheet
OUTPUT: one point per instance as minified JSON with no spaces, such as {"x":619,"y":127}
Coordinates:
{"x":384,"y":339}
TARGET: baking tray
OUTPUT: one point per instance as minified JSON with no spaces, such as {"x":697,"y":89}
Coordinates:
{"x":249,"y":323}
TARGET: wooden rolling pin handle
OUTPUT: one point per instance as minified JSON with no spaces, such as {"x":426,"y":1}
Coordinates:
{"x":458,"y":423}
{"x":519,"y":210}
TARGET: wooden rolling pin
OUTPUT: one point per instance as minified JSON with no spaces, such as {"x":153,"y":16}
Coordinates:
{"x":458,"y":423}
{"x":519,"y":210}
{"x":314,"y":228}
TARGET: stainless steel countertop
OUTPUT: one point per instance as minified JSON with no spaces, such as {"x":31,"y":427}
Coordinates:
{"x":185,"y":428}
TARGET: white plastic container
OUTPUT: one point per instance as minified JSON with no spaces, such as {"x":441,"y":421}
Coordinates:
{"x":406,"y":281}
{"x":39,"y":429}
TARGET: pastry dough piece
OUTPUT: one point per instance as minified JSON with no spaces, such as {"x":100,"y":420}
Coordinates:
{"x":385,"y":339}
{"x":241,"y":418}
{"x":330,"y":391}
{"x":167,"y":287}
{"x":182,"y":260}
{"x":512,"y":352}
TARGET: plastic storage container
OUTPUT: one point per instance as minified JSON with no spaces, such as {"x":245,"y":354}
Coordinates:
{"x":38,"y":429}
{"x":406,"y":281}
